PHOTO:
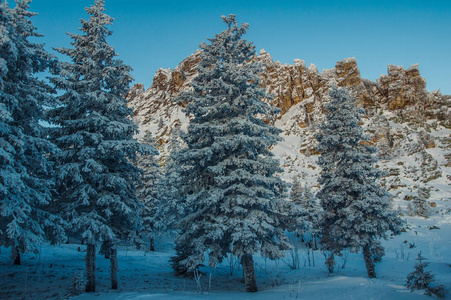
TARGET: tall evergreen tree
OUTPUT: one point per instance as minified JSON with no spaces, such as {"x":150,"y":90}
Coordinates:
{"x":227,"y":173}
{"x":356,"y":209}
{"x":420,"y":203}
{"x":25,"y":171}
{"x":95,"y":172}
{"x":296,"y":191}
{"x":148,"y":192}
{"x":307,"y":212}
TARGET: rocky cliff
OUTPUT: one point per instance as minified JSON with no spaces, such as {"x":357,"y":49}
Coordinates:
{"x":409,"y":125}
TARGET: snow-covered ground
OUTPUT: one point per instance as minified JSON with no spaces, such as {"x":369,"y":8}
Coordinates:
{"x":149,"y":276}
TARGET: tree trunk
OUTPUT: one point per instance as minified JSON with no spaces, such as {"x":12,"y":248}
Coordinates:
{"x":16,"y":255}
{"x":313,"y":257}
{"x":330,"y":262}
{"x":315,"y":245}
{"x":249,"y":273}
{"x":114,"y":267}
{"x":91,"y":268}
{"x":368,"y":261}
{"x":152,"y":243}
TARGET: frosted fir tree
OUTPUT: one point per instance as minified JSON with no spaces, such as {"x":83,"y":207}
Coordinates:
{"x":148,"y":191}
{"x":95,"y":174}
{"x":303,"y":217}
{"x":421,"y":206}
{"x":307,"y":211}
{"x":172,"y":199}
{"x":228,"y":175}
{"x":296,"y":191}
{"x":174,"y":207}
{"x":421,"y":279}
{"x":175,"y":143}
{"x":25,"y":172}
{"x":356,"y":209}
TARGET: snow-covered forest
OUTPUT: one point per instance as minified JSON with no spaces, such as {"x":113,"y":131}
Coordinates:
{"x":89,"y":208}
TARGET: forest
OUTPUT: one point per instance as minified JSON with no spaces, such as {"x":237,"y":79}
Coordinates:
{"x":73,"y":171}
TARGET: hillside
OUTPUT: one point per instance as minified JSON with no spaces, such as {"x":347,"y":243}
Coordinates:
{"x":410,"y":126}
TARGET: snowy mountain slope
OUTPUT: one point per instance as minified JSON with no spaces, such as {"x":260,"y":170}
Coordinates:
{"x":410,"y":126}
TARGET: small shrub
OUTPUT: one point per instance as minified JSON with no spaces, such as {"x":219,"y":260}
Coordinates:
{"x":420,"y":279}
{"x":77,"y":284}
{"x":329,"y":260}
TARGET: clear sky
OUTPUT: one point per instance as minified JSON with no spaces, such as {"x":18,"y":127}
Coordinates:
{"x":153,"y":34}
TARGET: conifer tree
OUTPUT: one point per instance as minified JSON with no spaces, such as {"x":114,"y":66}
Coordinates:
{"x":356,"y":209}
{"x":421,"y":279}
{"x":227,"y":174}
{"x":306,"y":211}
{"x":25,"y":172}
{"x":95,"y":172}
{"x":420,"y":203}
{"x":304,"y":215}
{"x":147,"y":192}
{"x":296,"y":192}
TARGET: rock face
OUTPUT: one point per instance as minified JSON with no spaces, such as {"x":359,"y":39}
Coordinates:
{"x":166,"y":86}
{"x":402,"y":92}
{"x":409,"y":125}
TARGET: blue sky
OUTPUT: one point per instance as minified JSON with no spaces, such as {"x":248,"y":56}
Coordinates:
{"x":152,"y":34}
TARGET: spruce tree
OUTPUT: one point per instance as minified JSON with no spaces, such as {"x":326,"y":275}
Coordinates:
{"x":227,"y":172}
{"x":296,"y":192}
{"x":421,"y":279}
{"x":356,"y":209}
{"x":96,"y":177}
{"x":304,"y":215}
{"x":420,"y":203}
{"x":147,"y":192}
{"x":306,"y":211}
{"x":25,"y":172}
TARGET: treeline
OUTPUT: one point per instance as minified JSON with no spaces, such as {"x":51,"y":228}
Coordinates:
{"x":87,"y":177}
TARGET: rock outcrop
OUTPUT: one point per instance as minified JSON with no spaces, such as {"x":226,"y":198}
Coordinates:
{"x":409,"y":125}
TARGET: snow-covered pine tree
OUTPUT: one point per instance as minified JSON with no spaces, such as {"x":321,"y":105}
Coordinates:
{"x":175,"y":140}
{"x":147,"y":192}
{"x":95,"y":174}
{"x":420,"y":203}
{"x":25,"y":172}
{"x":303,"y":216}
{"x":307,"y":211}
{"x":421,"y":279}
{"x":296,"y":191}
{"x":356,"y":209}
{"x":228,"y":174}
{"x":173,"y":204}
{"x":173,"y":207}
